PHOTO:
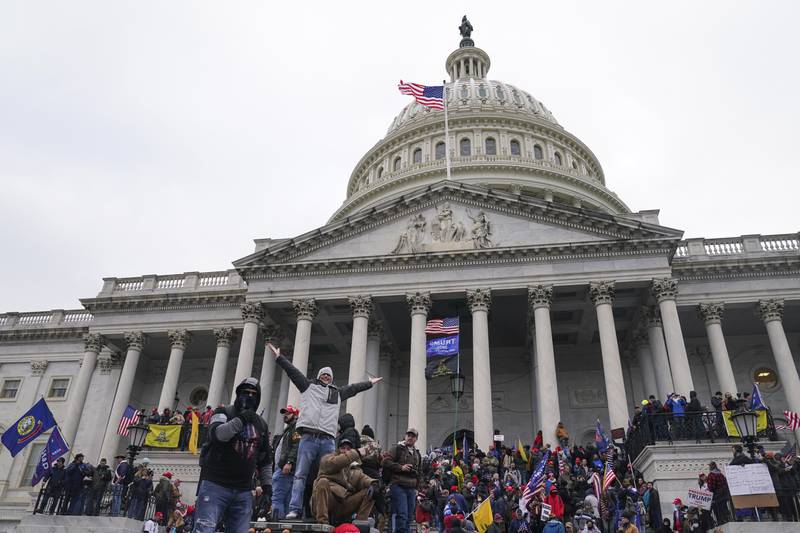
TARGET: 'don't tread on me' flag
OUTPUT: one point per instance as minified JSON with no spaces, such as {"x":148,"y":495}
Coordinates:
{"x":428,"y":95}
{"x":163,"y":436}
{"x":33,"y":423}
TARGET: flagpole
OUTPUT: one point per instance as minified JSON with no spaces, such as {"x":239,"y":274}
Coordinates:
{"x":446,"y":143}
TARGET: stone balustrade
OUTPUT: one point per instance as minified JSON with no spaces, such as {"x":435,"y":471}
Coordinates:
{"x":755,"y":245}
{"x":46,"y":319}
{"x":186,"y":282}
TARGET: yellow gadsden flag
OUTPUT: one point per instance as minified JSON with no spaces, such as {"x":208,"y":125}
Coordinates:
{"x":160,"y":436}
{"x":195,"y":434}
{"x":482,"y":516}
{"x":761,"y":422}
{"x":521,"y":450}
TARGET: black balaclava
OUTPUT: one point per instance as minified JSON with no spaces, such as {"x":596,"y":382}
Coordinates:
{"x":244,"y":401}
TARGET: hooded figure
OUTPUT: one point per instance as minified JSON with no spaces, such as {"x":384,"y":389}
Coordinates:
{"x":238,"y":445}
{"x":347,"y":430}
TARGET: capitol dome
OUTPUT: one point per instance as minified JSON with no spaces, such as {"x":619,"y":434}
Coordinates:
{"x":501,"y":138}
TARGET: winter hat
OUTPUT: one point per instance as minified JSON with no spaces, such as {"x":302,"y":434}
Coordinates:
{"x":366,"y":430}
{"x":346,"y":528}
{"x":325,"y":370}
{"x":168,"y":475}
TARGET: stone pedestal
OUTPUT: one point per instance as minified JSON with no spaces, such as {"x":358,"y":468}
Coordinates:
{"x":41,"y":523}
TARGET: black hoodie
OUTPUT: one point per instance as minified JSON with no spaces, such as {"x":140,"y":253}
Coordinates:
{"x":236,"y":449}
{"x":347,"y":430}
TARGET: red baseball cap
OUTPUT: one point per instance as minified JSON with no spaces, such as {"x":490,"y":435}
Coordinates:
{"x":290,"y":409}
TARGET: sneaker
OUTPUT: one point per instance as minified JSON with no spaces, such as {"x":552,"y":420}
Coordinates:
{"x":292,"y":515}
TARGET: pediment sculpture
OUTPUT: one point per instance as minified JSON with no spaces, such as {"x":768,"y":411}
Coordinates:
{"x":446,"y":232}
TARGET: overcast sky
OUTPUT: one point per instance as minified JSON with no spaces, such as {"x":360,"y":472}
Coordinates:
{"x":162,"y":137}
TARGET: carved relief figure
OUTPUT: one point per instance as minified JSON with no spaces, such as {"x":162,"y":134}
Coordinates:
{"x":413,"y":236}
{"x":446,"y":229}
{"x":481,"y":229}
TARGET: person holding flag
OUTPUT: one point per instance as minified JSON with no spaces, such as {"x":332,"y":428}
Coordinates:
{"x":54,"y":477}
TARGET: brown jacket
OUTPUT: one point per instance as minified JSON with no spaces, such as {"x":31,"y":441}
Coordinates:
{"x":402,"y":455}
{"x":345,"y":480}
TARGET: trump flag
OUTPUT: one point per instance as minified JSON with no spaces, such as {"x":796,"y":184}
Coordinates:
{"x":36,"y":421}
{"x":56,"y":447}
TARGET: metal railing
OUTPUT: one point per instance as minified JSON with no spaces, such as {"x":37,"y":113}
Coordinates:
{"x":90,"y":502}
{"x":653,"y":428}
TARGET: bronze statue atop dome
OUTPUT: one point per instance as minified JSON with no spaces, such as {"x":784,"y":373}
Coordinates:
{"x":466,"y":31}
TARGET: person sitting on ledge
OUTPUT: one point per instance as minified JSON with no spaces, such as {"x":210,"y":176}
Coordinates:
{"x":341,"y":488}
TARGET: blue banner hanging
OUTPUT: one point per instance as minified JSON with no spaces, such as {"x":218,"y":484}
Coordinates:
{"x":442,"y":346}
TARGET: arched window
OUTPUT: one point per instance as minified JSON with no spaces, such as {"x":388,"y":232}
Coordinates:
{"x":465,"y":147}
{"x":491,"y":146}
{"x":537,"y":152}
{"x":396,"y":166}
{"x":417,"y":157}
{"x":575,"y":165}
{"x":557,"y":158}
{"x":515,"y":147}
{"x":380,"y":172}
{"x":439,"y":150}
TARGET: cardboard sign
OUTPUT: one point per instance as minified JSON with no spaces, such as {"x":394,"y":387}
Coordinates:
{"x":500,"y":438}
{"x":744,"y":480}
{"x":545,"y":512}
{"x":699,"y":498}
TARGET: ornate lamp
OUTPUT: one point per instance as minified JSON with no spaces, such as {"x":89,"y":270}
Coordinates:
{"x":136,"y":433}
{"x":746,"y":422}
{"x":457,"y":385}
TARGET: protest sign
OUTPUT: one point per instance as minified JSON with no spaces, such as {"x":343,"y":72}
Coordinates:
{"x":699,"y":498}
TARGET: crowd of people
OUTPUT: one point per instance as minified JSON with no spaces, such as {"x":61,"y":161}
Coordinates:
{"x":321,"y":468}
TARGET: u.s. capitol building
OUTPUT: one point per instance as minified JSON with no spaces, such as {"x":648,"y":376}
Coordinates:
{"x":572,"y":306}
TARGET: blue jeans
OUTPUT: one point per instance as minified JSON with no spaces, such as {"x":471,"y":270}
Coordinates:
{"x":311,"y":449}
{"x":215,"y":502}
{"x":116,"y":498}
{"x":404,"y":502}
{"x":281,"y":493}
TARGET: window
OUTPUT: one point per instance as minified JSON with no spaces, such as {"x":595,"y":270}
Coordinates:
{"x":396,"y":166}
{"x":766,"y":378}
{"x":30,"y":464}
{"x":10,"y":388}
{"x":491,"y":146}
{"x":440,"y":150}
{"x":418,"y":155}
{"x":537,"y":152}
{"x":575,"y":165}
{"x":380,"y":172}
{"x":465,"y":147}
{"x":199,"y":396}
{"x":58,"y":388}
{"x":515,"y":147}
{"x":557,"y":159}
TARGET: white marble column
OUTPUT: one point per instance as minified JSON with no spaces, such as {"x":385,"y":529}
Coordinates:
{"x":362,"y":309}
{"x":252,"y":313}
{"x":711,"y":314}
{"x":665,"y":291}
{"x":283,"y":396}
{"x":655,"y":337}
{"x":645,"y":358}
{"x":273,"y":335}
{"x":479,"y":301}
{"x":419,"y":304}
{"x":306,"y":311}
{"x":602,"y":295}
{"x":540,"y":298}
{"x":382,"y":429}
{"x":179,"y":339}
{"x":135,"y":341}
{"x":771,"y":312}
{"x":373,"y":369}
{"x":216,"y":388}
{"x":93,"y":343}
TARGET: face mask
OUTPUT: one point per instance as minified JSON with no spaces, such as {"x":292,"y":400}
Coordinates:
{"x":247,"y":401}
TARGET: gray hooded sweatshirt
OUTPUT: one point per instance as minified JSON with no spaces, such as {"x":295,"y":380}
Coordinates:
{"x":319,"y":403}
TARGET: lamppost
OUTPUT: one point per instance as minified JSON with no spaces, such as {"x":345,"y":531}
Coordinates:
{"x":457,"y":390}
{"x":746,"y":421}
{"x":136,"y":434}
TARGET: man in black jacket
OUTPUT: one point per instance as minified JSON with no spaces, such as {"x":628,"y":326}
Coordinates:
{"x":238,"y":445}
{"x":55,"y":485}
{"x":286,"y":446}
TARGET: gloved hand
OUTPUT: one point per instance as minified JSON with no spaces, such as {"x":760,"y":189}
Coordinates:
{"x":248,"y":416}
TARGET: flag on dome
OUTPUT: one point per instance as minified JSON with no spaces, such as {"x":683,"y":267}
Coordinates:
{"x":428,"y":95}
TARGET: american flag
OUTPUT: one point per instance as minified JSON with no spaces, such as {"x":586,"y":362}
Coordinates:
{"x":594,"y":481}
{"x":792,"y":421}
{"x":430,"y":96}
{"x":536,"y":484}
{"x":128,"y":418}
{"x":609,"y":476}
{"x":442,"y":326}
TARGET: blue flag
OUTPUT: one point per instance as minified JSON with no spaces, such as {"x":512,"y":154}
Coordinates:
{"x":36,"y":421}
{"x":755,"y":400}
{"x":600,"y":439}
{"x":56,"y":447}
